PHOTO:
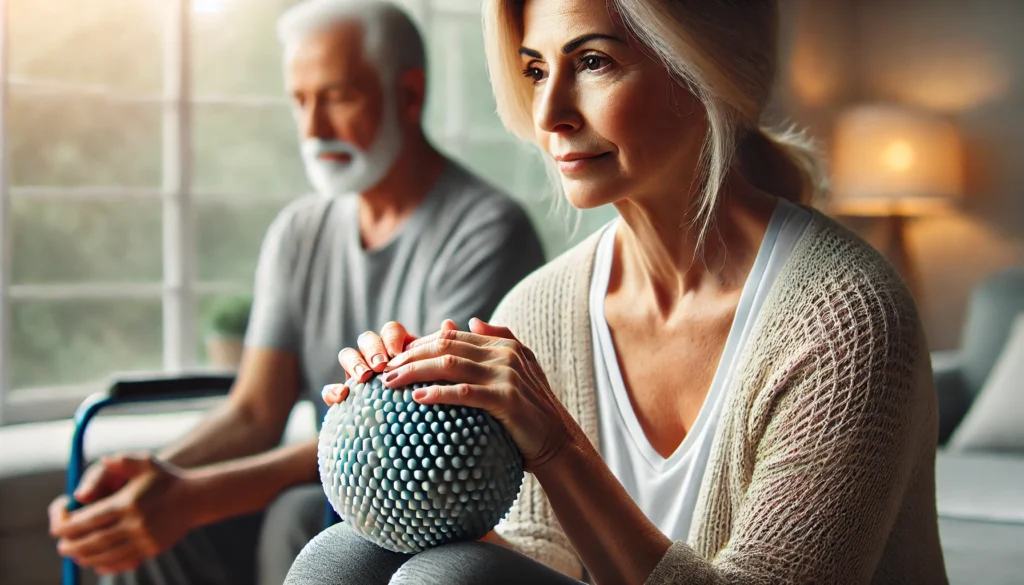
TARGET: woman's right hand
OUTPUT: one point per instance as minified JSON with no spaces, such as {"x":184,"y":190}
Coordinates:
{"x":374,"y":353}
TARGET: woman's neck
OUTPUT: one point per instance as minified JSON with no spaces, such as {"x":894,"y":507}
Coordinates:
{"x":660,"y":259}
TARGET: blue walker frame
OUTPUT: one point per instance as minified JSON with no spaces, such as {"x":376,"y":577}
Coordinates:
{"x":123,"y":392}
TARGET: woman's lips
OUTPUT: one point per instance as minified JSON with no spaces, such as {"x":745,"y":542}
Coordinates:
{"x":575,"y":162}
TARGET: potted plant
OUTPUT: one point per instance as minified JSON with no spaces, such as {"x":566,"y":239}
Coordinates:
{"x":225,"y":325}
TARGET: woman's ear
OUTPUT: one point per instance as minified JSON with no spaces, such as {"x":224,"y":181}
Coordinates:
{"x":412,"y":95}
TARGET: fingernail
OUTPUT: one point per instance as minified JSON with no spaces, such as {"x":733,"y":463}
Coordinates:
{"x":420,"y":394}
{"x":378,"y":360}
{"x":328,"y":389}
{"x":390,"y":377}
{"x":361,"y":371}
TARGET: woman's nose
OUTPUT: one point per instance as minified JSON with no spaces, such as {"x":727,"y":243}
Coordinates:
{"x":556,"y":111}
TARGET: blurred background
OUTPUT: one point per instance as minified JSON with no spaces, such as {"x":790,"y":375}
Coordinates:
{"x":146,"y":153}
{"x":147,"y":144}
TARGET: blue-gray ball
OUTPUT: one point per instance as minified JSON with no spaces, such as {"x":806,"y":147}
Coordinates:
{"x":409,"y":476}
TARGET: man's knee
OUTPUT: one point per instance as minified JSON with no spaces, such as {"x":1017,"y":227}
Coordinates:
{"x":290,"y":522}
{"x":296,"y":516}
{"x":217,"y":554}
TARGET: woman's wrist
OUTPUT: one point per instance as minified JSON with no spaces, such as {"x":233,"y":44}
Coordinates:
{"x":575,"y":449}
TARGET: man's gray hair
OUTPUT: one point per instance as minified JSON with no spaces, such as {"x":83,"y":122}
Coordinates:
{"x":391,"y":39}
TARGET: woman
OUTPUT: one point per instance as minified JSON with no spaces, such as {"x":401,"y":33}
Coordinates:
{"x":721,"y":386}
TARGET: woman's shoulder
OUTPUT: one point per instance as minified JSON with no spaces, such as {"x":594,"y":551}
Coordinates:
{"x":836,"y":289}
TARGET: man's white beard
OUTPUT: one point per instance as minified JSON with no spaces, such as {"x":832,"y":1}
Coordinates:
{"x":364,"y":169}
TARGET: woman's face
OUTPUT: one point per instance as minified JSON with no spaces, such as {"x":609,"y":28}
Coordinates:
{"x":613,"y":119}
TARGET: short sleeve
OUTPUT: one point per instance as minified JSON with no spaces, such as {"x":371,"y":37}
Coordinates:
{"x":274,"y":322}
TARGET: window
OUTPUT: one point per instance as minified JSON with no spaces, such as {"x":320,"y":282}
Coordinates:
{"x":148,"y":144}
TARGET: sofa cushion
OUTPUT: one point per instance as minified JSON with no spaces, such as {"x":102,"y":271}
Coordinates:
{"x":982,"y":552}
{"x":994,"y":420}
{"x":983,"y":487}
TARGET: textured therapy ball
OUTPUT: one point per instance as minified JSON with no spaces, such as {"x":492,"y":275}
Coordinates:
{"x":409,"y":476}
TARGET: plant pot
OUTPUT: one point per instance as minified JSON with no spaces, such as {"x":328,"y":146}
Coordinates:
{"x":224,"y":352}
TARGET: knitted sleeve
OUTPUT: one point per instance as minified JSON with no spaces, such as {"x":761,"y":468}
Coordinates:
{"x":537,"y":310}
{"x":838,"y":414}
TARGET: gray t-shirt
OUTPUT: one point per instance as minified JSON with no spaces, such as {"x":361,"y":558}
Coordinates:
{"x":317,"y":289}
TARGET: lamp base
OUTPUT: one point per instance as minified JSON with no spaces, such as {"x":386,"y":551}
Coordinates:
{"x":895,"y":250}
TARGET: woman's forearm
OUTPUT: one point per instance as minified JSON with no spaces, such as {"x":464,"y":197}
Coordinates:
{"x":611,"y":535}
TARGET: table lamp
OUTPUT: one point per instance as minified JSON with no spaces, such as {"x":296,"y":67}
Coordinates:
{"x":897,"y":163}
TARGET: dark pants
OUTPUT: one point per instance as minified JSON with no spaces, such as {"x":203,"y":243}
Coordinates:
{"x":256,"y":549}
{"x":340,"y":557}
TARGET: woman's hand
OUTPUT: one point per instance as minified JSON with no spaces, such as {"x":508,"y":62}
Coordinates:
{"x":488,"y":368}
{"x":374,"y":353}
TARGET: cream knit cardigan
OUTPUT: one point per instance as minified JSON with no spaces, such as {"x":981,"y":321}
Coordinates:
{"x":822,"y":469}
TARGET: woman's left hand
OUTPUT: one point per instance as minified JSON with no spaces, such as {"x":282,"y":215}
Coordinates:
{"x":488,"y":368}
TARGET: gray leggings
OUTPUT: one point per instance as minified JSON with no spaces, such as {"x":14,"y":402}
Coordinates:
{"x":340,"y":557}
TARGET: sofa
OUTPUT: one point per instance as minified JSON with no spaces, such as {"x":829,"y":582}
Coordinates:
{"x":980,"y":494}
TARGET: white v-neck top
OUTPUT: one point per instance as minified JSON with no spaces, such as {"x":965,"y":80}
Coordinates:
{"x":666,"y":489}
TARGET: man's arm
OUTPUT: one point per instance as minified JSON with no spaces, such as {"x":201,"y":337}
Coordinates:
{"x":249,"y":484}
{"x":252,"y":419}
{"x":234,"y":463}
{"x":232,"y":454}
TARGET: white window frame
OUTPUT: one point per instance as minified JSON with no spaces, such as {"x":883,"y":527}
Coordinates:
{"x":179,"y":291}
{"x":6,"y":239}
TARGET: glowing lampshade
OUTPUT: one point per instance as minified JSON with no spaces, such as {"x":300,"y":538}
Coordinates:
{"x":890,"y":160}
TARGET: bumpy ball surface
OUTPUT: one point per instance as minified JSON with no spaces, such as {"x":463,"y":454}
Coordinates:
{"x":409,"y":476}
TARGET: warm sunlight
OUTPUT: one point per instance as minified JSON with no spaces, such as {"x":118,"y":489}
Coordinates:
{"x":208,"y":6}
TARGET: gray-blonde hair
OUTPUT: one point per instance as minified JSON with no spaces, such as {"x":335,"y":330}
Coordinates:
{"x":724,"y":53}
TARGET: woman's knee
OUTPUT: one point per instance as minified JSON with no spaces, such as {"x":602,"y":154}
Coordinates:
{"x":474,"y":563}
{"x":338,"y":556}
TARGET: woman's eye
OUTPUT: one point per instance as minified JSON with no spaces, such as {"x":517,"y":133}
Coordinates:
{"x":593,"y":62}
{"x":533,"y":73}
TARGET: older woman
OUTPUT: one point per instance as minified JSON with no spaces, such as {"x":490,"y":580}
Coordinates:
{"x":721,"y":386}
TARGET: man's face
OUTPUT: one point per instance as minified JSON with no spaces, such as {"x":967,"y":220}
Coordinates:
{"x":346,"y":116}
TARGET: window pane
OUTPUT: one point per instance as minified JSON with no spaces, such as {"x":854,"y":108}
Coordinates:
{"x":86,"y":241}
{"x":113,"y":43}
{"x":229,"y":238}
{"x":440,"y":83}
{"x":56,"y":141}
{"x":235,"y":48}
{"x":82,"y":341}
{"x":462,"y":37}
{"x":249,"y":150}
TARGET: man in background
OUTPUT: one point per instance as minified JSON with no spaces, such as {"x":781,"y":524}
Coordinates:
{"x":395,"y":232}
